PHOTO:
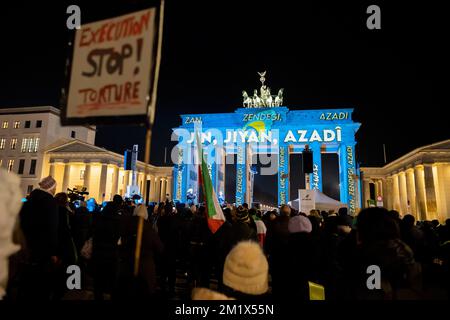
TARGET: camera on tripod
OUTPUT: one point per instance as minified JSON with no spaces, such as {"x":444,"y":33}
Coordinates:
{"x":77,"y":195}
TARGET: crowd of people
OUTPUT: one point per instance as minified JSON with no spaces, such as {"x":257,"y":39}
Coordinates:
{"x":253,"y":255}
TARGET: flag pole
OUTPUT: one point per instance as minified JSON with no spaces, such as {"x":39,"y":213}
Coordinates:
{"x":148,"y":135}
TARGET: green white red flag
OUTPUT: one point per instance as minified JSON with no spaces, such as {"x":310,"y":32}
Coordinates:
{"x":215,"y":214}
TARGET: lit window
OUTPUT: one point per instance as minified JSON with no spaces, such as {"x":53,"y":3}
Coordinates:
{"x":2,"y":143}
{"x":30,"y":145}
{"x":13,"y":143}
{"x":24,"y":144}
{"x":35,"y":145}
{"x":1,"y":163}
{"x":82,"y":174}
{"x":10,"y":165}
{"x":16,"y":124}
{"x":5,"y":125}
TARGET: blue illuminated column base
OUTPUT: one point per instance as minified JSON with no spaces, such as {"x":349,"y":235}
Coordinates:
{"x":283,"y":175}
{"x":316,"y":176}
{"x":241,"y":175}
{"x":348,"y":179}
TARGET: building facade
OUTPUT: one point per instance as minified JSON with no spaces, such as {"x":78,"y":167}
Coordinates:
{"x":272,"y":134}
{"x":417,"y":183}
{"x":33,"y":144}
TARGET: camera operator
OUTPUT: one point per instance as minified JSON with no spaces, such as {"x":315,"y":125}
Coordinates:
{"x":80,"y":218}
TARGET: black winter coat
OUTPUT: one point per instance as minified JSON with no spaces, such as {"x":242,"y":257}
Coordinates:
{"x":66,"y":246}
{"x":241,"y":231}
{"x":39,"y":222}
{"x":106,"y":233}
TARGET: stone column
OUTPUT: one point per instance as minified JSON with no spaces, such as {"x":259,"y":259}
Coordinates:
{"x":403,"y":195}
{"x":151,"y":194}
{"x":145,"y":188}
{"x":380,"y":188}
{"x":396,"y":193}
{"x":52,"y":170}
{"x":348,"y":171}
{"x":115,"y":181}
{"x":283,"y":175}
{"x":158,"y":189}
{"x":375,"y":188}
{"x":87,"y":175}
{"x":411,"y":192}
{"x":169,"y":187}
{"x":221,"y":171}
{"x":430,"y":192}
{"x":66,"y":177}
{"x":316,"y":177}
{"x":419,"y":181}
{"x":102,"y":187}
{"x":441,"y":187}
{"x":388,"y":198}
{"x":126,"y":180}
{"x":241,"y":174}
{"x":366,"y":192}
{"x":343,"y":176}
{"x":164,"y":189}
{"x":184,"y":154}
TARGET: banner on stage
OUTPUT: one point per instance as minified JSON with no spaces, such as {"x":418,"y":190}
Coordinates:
{"x":307,"y":200}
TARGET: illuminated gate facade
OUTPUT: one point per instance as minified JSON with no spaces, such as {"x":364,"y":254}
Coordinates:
{"x":272,"y":132}
{"x":264,"y":126}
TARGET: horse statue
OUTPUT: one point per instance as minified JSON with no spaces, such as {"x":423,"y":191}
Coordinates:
{"x":269,"y":99}
{"x":256,"y":99}
{"x":247,"y":100}
{"x":279,"y":98}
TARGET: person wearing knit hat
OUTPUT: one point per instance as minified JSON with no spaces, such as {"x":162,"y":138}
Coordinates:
{"x":299,"y":254}
{"x":344,"y":224}
{"x":243,"y":227}
{"x":299,"y":224}
{"x":246,"y":271}
{"x":48,"y":184}
{"x":242,"y":214}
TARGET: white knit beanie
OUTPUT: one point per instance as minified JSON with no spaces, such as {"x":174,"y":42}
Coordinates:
{"x":246,"y":269}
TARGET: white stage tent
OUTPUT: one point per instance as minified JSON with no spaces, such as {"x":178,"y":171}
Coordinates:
{"x":322,"y":202}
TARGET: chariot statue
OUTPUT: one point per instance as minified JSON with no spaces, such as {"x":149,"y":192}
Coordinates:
{"x":264,"y":99}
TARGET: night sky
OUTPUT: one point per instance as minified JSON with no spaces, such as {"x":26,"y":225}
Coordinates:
{"x":320,"y":52}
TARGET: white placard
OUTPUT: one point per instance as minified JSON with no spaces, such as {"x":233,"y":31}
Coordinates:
{"x":112,"y":65}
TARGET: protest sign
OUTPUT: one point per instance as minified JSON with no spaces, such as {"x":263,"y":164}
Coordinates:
{"x":112,"y":70}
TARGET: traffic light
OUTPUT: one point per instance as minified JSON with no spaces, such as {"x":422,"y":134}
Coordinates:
{"x":127,"y":160}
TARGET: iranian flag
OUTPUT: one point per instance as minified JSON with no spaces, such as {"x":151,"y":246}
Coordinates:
{"x":214,"y":211}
